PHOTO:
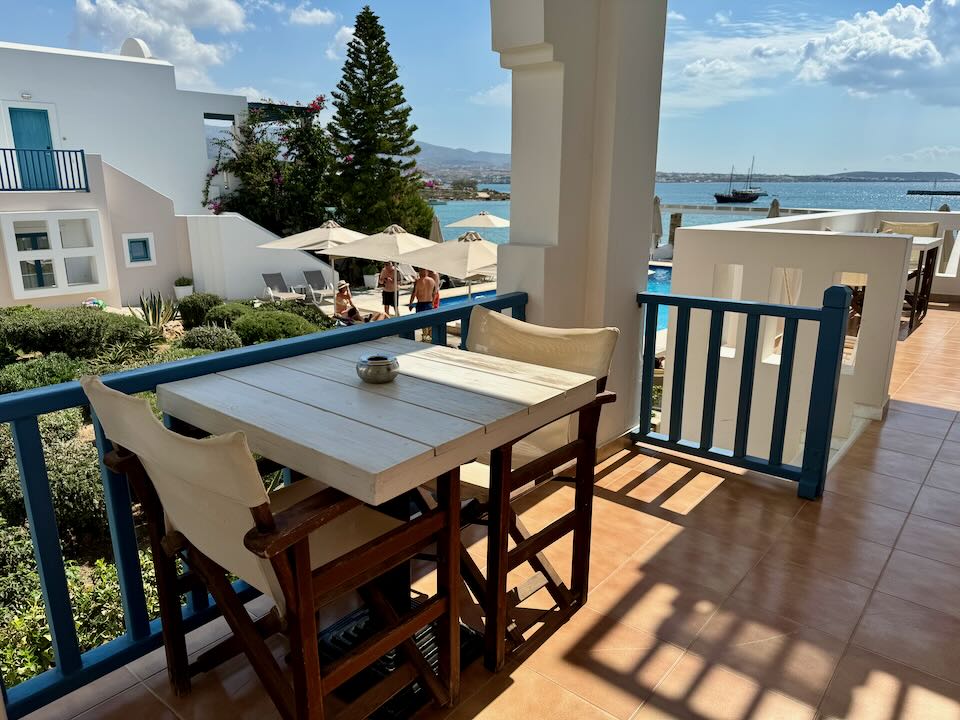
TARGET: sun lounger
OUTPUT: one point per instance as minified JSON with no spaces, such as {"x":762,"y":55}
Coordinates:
{"x":318,"y":286}
{"x":277,"y":288}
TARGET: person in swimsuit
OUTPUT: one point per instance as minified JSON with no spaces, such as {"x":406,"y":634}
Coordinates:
{"x":343,"y":306}
{"x":388,"y":281}
{"x":421,"y":296}
{"x":435,"y":276}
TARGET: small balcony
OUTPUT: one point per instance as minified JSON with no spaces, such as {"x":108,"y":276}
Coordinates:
{"x":43,"y":170}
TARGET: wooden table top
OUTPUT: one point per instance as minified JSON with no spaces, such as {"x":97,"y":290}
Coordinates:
{"x":314,"y":415}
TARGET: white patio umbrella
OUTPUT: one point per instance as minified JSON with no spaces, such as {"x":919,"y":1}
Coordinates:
{"x":386,"y":246}
{"x":436,"y":234}
{"x":320,"y":239}
{"x":482,"y":219}
{"x":657,"y":223}
{"x":466,"y":258}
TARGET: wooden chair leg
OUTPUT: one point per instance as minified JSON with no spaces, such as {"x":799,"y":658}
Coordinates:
{"x":302,"y":623}
{"x":497,"y":567}
{"x":448,"y":582}
{"x":171,"y":620}
{"x":243,"y":627}
{"x":539,"y":562}
{"x":583,"y":504}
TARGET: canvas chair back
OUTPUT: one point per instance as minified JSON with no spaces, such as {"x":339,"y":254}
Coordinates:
{"x":206,"y":487}
{"x":275,"y":282}
{"x":582,"y":350}
{"x":317,"y":279}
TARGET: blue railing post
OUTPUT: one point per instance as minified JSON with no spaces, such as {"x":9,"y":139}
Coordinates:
{"x":823,"y":391}
{"x":123,"y":536}
{"x":46,"y":544}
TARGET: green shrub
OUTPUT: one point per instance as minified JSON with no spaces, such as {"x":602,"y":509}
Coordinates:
{"x":73,"y":470}
{"x":211,"y":337}
{"x":25,"y":645}
{"x":7,"y":354}
{"x":47,"y":370}
{"x":194,"y":308}
{"x":258,"y":327}
{"x":225,"y":315}
{"x":79,"y":332}
{"x":310,"y":313}
{"x":16,"y":549}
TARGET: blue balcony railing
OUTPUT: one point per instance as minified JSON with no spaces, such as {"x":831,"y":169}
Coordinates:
{"x":36,"y":170}
{"x":832,"y":324}
{"x":74,"y":669}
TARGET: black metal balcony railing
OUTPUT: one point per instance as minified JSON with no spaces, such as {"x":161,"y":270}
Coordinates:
{"x":36,"y":170}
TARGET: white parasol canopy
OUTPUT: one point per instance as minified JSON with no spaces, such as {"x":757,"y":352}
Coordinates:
{"x":482,"y":219}
{"x":436,"y":234}
{"x":390,"y":244}
{"x":466,"y":257}
{"x":320,"y":239}
{"x":657,"y":228}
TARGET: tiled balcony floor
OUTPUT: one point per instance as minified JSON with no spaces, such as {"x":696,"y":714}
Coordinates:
{"x":718,"y":595}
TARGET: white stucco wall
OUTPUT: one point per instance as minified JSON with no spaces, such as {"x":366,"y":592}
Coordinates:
{"x":227,"y":261}
{"x":764,"y":248}
{"x":128,"y":110}
{"x":586,"y":91}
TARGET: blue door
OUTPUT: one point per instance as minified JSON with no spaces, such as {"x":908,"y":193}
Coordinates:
{"x":34,"y":149}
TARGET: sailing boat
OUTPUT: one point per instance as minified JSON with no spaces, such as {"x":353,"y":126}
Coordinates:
{"x":747,"y":194}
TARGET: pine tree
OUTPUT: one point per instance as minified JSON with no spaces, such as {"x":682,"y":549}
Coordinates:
{"x":378,"y":184}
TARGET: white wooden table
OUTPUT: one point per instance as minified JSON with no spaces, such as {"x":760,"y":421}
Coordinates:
{"x":314,"y":415}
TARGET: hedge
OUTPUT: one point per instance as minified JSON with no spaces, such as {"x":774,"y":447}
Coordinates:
{"x":48,"y":370}
{"x":259,"y":327}
{"x":194,"y":308}
{"x":211,"y":337}
{"x":225,"y":315}
{"x":79,"y":332}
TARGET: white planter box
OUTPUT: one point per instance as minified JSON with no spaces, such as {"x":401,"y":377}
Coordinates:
{"x":181,"y":291}
{"x":370,"y":281}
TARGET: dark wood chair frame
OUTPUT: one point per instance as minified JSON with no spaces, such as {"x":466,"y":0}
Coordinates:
{"x":283,"y":538}
{"x":498,"y":602}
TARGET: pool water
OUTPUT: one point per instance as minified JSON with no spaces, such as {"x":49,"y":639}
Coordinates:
{"x":485,"y":295}
{"x":659,"y":282}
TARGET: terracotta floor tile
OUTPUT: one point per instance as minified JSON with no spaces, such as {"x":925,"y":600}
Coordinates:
{"x":861,"y":518}
{"x":945,"y":476}
{"x":881,"y":489}
{"x":529,"y":695}
{"x":931,"y":539}
{"x":923,"y":581}
{"x":920,"y":409}
{"x":726,"y":518}
{"x":892,"y":438}
{"x":664,"y":604}
{"x":704,"y":559}
{"x":831,"y":550}
{"x":805,"y":596}
{"x":938,"y":504}
{"x":135,"y":702}
{"x":950,"y":452}
{"x":887,"y":462}
{"x":911,"y":634}
{"x":867,"y":686}
{"x":774,"y":652}
{"x":919,"y":424}
{"x":700,"y":690}
{"x":610,"y":664}
{"x":86,"y":697}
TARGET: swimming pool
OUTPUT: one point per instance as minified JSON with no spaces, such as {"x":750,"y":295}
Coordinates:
{"x":659,"y":282}
{"x":456,"y":300}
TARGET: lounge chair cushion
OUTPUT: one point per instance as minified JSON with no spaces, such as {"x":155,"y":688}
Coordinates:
{"x":916,"y":229}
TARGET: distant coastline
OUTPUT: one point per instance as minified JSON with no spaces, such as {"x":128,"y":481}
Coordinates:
{"x":857,"y":176}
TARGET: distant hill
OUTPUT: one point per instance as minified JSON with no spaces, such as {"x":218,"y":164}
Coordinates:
{"x":904,"y":176}
{"x":438,"y":157}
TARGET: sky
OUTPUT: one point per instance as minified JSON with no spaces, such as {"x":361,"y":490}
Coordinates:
{"x":807,"y":86}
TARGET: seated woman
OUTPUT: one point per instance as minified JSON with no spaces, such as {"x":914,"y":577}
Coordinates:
{"x":346,"y":312}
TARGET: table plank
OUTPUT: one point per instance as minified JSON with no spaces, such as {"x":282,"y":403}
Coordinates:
{"x":425,"y":425}
{"x":460,"y":403}
{"x":551,"y":377}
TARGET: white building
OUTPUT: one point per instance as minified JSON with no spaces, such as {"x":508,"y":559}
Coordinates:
{"x":102,"y":159}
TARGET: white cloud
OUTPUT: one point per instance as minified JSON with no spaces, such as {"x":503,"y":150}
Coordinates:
{"x":674,"y":16}
{"x":251,"y":93}
{"x":168,"y":28}
{"x":498,"y":96}
{"x":303,"y":14}
{"x":907,"y":48}
{"x":722,"y":18}
{"x":713,"y":67}
{"x":927,"y":154}
{"x":338,"y":46}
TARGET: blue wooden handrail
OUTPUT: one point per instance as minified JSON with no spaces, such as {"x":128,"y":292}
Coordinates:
{"x":31,"y":170}
{"x":73,"y":668}
{"x":832,"y":323}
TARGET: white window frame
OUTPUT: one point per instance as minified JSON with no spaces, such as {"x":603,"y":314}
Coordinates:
{"x":57,"y":253}
{"x":128,"y":261}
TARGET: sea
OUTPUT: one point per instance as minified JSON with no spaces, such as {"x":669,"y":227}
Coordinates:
{"x":828,"y":195}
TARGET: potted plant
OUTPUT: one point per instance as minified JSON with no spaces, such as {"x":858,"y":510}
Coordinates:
{"x":182,"y":287}
{"x":371,"y":274}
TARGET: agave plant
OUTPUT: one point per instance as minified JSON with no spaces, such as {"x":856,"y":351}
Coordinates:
{"x":157,"y":310}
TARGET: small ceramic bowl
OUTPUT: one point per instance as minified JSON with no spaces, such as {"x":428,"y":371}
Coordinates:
{"x":377,"y":368}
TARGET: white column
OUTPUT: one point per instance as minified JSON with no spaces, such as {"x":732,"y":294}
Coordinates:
{"x":586,"y":111}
